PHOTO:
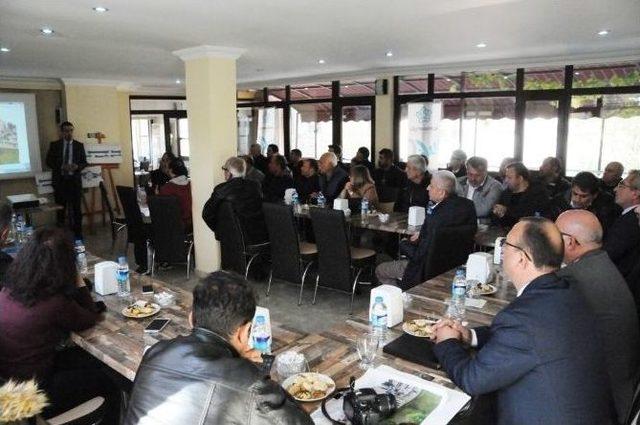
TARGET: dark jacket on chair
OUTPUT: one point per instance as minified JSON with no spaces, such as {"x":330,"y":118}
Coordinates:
{"x":332,"y":187}
{"x":609,"y":298}
{"x":201,"y":379}
{"x":541,"y":358}
{"x":452,"y":211}
{"x":622,"y":243}
{"x":245,"y":197}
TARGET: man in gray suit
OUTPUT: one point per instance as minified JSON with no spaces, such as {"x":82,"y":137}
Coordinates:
{"x":479,"y":187}
{"x":592,"y":272}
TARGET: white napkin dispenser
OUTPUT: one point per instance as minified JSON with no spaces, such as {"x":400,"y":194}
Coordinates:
{"x":341,"y":204}
{"x":288,"y":196}
{"x":105,"y":278}
{"x":416,"y":216}
{"x":392,"y":298}
{"x":480,"y":267}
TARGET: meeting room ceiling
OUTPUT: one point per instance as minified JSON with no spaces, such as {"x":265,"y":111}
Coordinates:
{"x":286,"y":39}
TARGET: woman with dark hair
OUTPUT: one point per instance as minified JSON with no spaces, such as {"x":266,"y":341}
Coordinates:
{"x":44,"y":299}
{"x":160,"y":176}
{"x":180,"y":187}
{"x":360,"y":185}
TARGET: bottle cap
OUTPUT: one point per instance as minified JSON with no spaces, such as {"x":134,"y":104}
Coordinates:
{"x":379,"y":299}
{"x":260,"y":319}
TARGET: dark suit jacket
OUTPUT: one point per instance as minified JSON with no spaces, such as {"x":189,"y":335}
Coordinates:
{"x":413,"y":195}
{"x":609,"y":298}
{"x":526,"y":204}
{"x":55,"y":159}
{"x":452,"y":211}
{"x":622,"y":243}
{"x":391,"y":177}
{"x":331,"y":188}
{"x":541,"y":358}
{"x":246,"y":200}
{"x":305,"y":186}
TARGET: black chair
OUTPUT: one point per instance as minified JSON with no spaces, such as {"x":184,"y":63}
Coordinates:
{"x":633,"y":417}
{"x":338,"y":262}
{"x":387,"y":197}
{"x":290,"y":258}
{"x":169,"y":240}
{"x":117,"y":223}
{"x":236,"y":255}
{"x":132,"y":214}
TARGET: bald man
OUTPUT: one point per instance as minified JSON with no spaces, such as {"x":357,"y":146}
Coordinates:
{"x":595,"y":276}
{"x":538,"y":356}
{"x":611,"y":176}
{"x":332,"y":177}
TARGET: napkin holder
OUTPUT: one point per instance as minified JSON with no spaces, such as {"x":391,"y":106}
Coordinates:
{"x":288,"y":196}
{"x":392,"y":298}
{"x":480,"y":267}
{"x":105,"y":278}
{"x":416,"y":216}
{"x":341,"y":204}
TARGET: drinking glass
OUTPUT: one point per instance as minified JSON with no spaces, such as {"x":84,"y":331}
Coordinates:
{"x":367,"y":346}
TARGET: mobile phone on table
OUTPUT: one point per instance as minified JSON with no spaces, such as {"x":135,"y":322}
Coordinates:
{"x":267,"y":363}
{"x":156,"y":325}
{"x":147,"y":289}
{"x":101,"y":307}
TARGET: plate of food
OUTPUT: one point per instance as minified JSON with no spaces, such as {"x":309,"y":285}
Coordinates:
{"x":422,"y":328}
{"x":483,"y":289}
{"x":309,"y":386}
{"x":140,"y":309}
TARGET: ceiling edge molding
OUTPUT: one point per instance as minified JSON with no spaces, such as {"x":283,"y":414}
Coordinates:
{"x":24,"y":83}
{"x":207,"y":51}
{"x":118,"y":85}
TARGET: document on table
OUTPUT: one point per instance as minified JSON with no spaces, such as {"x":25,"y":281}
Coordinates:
{"x":419,"y":401}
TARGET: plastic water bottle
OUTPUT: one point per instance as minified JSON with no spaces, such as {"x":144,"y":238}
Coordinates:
{"x":20,"y":225}
{"x":364,"y":207}
{"x":81,"y":257}
{"x":122,"y":276}
{"x":378,"y":318}
{"x":295,"y":201}
{"x":458,"y":295}
{"x":142,"y":195}
{"x":261,"y":335}
{"x":28,"y":232}
{"x":13,"y":230}
{"x":322,"y":201}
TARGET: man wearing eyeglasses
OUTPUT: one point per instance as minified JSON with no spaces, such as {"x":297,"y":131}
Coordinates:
{"x":594,"y":275}
{"x":623,"y":239}
{"x":540,"y":355}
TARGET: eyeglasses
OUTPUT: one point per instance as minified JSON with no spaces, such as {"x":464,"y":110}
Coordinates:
{"x":504,"y":242}
{"x":622,"y":184}
{"x":571,"y":236}
{"x":224,"y":169}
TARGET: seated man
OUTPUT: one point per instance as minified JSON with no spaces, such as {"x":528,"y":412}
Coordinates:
{"x":308,"y":182}
{"x":388,"y":174}
{"x":209,"y":376}
{"x":259,"y":160}
{"x":586,"y":195}
{"x":522,"y":198}
{"x":479,"y":187}
{"x":414,"y":193}
{"x":362,"y":158}
{"x":332,"y":177}
{"x":623,"y":239}
{"x":551,"y":176}
{"x":277,"y":180}
{"x":245,"y":197}
{"x":252,"y":173}
{"x":294,"y":162}
{"x":5,"y":227}
{"x":449,"y":210}
{"x":611,"y":176}
{"x":337,"y":149}
{"x":593,"y":274}
{"x":540,"y":355}
{"x":456,"y":163}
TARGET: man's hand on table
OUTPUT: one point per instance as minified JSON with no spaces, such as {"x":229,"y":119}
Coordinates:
{"x":252,"y":355}
{"x":452,"y":329}
{"x":499,"y":210}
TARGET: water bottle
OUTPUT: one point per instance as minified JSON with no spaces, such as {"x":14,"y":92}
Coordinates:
{"x":378,"y":318}
{"x":537,"y":214}
{"x":142,"y":195}
{"x":28,"y":232}
{"x":81,"y":257}
{"x":364,"y":207}
{"x":261,"y":335}
{"x":295,"y":201}
{"x":322,"y":201}
{"x":458,"y":295}
{"x":20,"y":224}
{"x":122,"y":276}
{"x":13,"y":230}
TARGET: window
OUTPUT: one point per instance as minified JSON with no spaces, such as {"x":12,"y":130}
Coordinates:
{"x":311,"y":128}
{"x":618,"y":75}
{"x":540,"y":132}
{"x":311,"y":91}
{"x":543,"y":79}
{"x":358,"y":88}
{"x":148,"y":138}
{"x":603,"y":128}
{"x":250,"y":95}
{"x":447,"y":84}
{"x":259,"y":125}
{"x":412,"y":84}
{"x":277,"y":94}
{"x":356,"y":129}
{"x":488,"y":81}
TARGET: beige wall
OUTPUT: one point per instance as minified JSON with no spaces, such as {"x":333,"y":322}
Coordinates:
{"x":384,"y":119}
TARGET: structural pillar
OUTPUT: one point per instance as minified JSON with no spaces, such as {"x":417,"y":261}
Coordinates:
{"x":211,"y":109}
{"x":384,"y":120}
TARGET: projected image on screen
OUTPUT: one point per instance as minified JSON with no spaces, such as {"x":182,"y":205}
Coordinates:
{"x":19,"y":145}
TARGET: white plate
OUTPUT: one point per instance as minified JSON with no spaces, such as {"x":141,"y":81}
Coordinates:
{"x":492,"y":290}
{"x":405,"y":327}
{"x":319,"y":376}
{"x":156,"y":309}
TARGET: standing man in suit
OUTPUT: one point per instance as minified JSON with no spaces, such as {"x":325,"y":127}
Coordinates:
{"x":592,"y":273}
{"x":623,"y":239}
{"x":450,"y":210}
{"x":67,"y":159}
{"x":540,"y":355}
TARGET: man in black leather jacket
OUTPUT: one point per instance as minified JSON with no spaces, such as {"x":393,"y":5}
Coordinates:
{"x":209,"y":377}
{"x":246,"y":198}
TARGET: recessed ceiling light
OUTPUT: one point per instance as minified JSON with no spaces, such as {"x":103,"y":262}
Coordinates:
{"x":481,"y":45}
{"x":389,"y":53}
{"x":178,"y":81}
{"x":100,"y":9}
{"x":602,"y":33}
{"x":47,"y":31}
{"x":322,"y":61}
{"x":5,"y":49}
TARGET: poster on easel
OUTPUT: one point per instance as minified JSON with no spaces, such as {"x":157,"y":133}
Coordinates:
{"x":91,"y":176}
{"x":44,"y":182}
{"x":423,"y":122}
{"x":103,"y":153}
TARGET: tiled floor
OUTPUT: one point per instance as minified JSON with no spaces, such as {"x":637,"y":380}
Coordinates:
{"x":331,"y":308}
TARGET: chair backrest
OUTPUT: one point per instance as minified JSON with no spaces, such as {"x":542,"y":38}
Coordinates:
{"x":232,"y":245}
{"x":334,"y":253}
{"x":285,"y":250}
{"x":449,"y":248}
{"x":132,"y":214}
{"x":168,"y":233}
{"x":387,"y":193}
{"x":105,"y":202}
{"x":386,"y":207}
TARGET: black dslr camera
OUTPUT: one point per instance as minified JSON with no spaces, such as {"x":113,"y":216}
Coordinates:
{"x":365,"y":406}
